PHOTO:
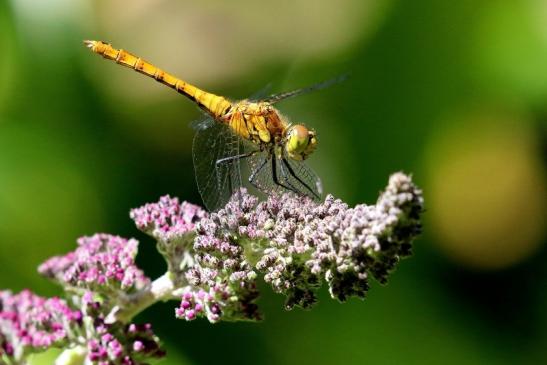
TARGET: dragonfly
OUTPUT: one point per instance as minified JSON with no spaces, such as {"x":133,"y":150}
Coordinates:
{"x":250,"y":131}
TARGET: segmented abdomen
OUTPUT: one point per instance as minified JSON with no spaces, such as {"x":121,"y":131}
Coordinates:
{"x":216,"y":105}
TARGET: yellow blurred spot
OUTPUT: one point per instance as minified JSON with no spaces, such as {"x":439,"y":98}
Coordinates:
{"x":487,"y":192}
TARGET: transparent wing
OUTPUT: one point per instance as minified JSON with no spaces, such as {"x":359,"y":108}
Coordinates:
{"x":271,"y":175}
{"x":319,"y":86}
{"x":217,"y":176}
{"x":202,"y":123}
{"x":261,"y":177}
{"x":262,"y":93}
{"x":301,"y":177}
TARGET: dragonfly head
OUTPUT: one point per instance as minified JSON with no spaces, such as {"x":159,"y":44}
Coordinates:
{"x":300,"y":142}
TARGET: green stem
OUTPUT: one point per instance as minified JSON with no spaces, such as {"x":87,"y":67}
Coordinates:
{"x":161,"y":289}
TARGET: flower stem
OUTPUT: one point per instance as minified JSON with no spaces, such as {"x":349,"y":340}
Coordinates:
{"x":161,"y":289}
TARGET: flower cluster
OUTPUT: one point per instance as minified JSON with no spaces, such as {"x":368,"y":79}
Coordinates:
{"x":167,"y":220}
{"x":116,"y":343}
{"x":193,"y":304}
{"x":297,"y":242}
{"x":172,"y":224}
{"x":214,"y":295}
{"x":214,"y":261}
{"x":135,"y":344}
{"x":101,"y":262}
{"x":101,"y":275}
{"x":29,"y":323}
{"x":215,"y":279}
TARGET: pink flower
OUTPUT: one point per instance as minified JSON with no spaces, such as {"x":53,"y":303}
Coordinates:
{"x":101,"y":262}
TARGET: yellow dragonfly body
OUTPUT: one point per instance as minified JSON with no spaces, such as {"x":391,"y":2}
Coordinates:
{"x":250,"y":130}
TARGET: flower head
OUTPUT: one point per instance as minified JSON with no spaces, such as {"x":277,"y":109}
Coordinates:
{"x":130,"y":344}
{"x":297,"y":242}
{"x":115,"y":343}
{"x":29,"y":323}
{"x":102,"y":262}
{"x":172,"y":224}
{"x":213,"y":264}
{"x":167,"y":220}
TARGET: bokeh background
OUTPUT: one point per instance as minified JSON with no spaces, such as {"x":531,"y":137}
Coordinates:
{"x":454,"y":92}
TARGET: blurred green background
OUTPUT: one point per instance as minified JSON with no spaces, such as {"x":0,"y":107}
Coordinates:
{"x":453,"y":92}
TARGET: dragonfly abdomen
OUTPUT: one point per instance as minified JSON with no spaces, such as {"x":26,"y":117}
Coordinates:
{"x":216,"y":105}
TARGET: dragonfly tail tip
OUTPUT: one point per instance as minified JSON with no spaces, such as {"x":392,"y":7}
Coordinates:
{"x":89,"y":44}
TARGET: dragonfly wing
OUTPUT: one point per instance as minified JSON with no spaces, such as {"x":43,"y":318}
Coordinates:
{"x":289,"y":175}
{"x":204,"y":122}
{"x":261,"y":94}
{"x":260,"y":167}
{"x":319,"y":86}
{"x":302,"y":178}
{"x":217,"y":176}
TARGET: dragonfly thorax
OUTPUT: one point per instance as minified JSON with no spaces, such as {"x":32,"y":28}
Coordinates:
{"x":258,"y":122}
{"x":264,"y":125}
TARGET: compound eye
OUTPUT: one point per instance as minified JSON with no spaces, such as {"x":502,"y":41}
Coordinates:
{"x":300,"y":136}
{"x":298,"y":142}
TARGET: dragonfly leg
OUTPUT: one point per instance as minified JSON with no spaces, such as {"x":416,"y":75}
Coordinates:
{"x":286,"y":178}
{"x":275,"y":178}
{"x":291,"y":171}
